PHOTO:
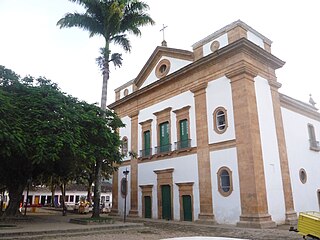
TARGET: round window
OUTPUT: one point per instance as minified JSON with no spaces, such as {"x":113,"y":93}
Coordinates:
{"x":162,"y":68}
{"x":303,"y":175}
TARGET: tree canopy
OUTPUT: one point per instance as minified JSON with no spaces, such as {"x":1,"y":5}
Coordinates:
{"x":44,"y":132}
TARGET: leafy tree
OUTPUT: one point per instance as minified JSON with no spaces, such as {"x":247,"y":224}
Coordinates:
{"x":111,"y":19}
{"x":47,"y":134}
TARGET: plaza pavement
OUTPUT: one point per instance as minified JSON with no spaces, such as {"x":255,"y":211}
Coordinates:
{"x":46,"y":224}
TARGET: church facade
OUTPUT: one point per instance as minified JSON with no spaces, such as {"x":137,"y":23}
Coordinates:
{"x":214,"y":138}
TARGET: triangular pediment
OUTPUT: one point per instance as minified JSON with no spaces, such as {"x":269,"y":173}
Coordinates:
{"x":162,"y":62}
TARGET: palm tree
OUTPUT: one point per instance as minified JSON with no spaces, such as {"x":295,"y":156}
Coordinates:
{"x":113,"y":20}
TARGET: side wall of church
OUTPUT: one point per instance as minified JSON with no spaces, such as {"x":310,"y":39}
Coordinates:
{"x":305,"y":195}
{"x":270,"y":152}
{"x":227,"y":209}
{"x":219,"y":95}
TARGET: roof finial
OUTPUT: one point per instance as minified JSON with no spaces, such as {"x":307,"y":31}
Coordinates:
{"x":311,"y":101}
{"x":164,"y":43}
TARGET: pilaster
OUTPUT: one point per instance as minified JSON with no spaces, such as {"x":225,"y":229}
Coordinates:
{"x":134,"y":166}
{"x":114,"y":209}
{"x":203,"y":156}
{"x":291,"y":215}
{"x":254,"y":205}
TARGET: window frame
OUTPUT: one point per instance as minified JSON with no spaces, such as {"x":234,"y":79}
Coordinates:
{"x":304,"y":179}
{"x":220,"y":187}
{"x":166,"y":64}
{"x":215,"y":120}
{"x":123,"y":150}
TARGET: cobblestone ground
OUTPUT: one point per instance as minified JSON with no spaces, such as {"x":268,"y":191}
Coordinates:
{"x":165,"y":230}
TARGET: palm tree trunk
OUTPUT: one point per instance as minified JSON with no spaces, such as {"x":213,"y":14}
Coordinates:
{"x":98,"y":169}
{"x":105,"y":87}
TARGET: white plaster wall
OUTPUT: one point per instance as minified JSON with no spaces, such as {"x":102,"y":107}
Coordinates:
{"x":255,"y":39}
{"x":223,"y":40}
{"x":130,"y":90}
{"x":126,"y":131}
{"x":270,"y":151}
{"x":176,"y":102}
{"x":300,"y":156}
{"x":226,"y":209}
{"x":175,"y":64}
{"x":185,"y":170}
{"x":219,"y":95}
{"x":120,"y":198}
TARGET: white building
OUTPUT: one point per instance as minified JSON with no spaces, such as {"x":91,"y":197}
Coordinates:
{"x":216,"y":140}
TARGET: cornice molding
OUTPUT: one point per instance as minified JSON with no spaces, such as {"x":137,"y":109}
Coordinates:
{"x":299,"y":107}
{"x":242,"y":45}
{"x":161,"y":171}
{"x":166,"y":110}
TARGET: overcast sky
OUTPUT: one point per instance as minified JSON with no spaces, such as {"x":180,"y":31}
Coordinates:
{"x":31,"y":43}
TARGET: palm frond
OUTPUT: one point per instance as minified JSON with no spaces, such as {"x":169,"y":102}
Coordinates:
{"x":123,"y":41}
{"x":116,"y":58}
{"x":83,"y":21}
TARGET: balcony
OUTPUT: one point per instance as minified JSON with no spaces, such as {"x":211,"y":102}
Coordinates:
{"x":314,"y":145}
{"x":182,"y":144}
{"x":163,"y":149}
{"x":146,"y":152}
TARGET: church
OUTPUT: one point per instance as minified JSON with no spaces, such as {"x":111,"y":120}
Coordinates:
{"x":215,"y":140}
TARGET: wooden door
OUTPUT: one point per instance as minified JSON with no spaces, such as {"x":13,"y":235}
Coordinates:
{"x":166,"y":202}
{"x":147,"y":207}
{"x":187,"y":208}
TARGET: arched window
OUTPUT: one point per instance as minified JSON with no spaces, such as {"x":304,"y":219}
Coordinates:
{"x":124,"y":146}
{"x":220,"y":120}
{"x":225,"y":187}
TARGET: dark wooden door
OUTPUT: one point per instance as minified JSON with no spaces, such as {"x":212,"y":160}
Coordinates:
{"x":147,"y":207}
{"x":166,"y":202}
{"x":187,"y":208}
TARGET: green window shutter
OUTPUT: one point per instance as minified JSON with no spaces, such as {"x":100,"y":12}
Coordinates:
{"x":147,"y":143}
{"x":164,"y":137}
{"x":184,"y":135}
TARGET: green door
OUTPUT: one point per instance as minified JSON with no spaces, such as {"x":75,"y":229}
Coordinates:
{"x":166,"y":202}
{"x":187,"y":208}
{"x":146,"y":143}
{"x":164,"y":137}
{"x":147,"y":207}
{"x":184,"y":136}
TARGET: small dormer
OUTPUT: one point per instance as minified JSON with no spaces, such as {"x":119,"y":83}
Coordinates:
{"x":227,"y":35}
{"x":124,"y":90}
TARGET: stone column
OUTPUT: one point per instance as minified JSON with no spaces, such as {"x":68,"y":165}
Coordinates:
{"x":254,"y":205}
{"x":134,"y":166}
{"x":291,"y":215}
{"x":114,"y":209}
{"x":203,"y":154}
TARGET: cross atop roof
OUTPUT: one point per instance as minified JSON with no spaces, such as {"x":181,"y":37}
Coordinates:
{"x":164,"y":43}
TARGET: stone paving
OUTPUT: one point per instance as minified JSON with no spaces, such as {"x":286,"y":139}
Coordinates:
{"x":55,"y":226}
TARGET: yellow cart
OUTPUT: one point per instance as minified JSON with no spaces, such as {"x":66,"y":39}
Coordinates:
{"x":309,"y":224}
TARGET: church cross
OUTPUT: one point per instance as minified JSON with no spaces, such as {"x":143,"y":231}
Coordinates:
{"x":162,"y":29}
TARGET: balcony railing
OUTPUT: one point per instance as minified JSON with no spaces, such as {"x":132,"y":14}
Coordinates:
{"x":314,"y":145}
{"x":182,"y":144}
{"x":163,"y":149}
{"x":146,"y":152}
